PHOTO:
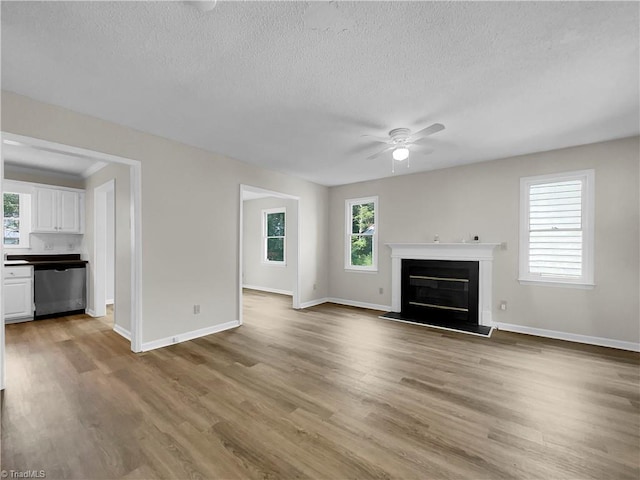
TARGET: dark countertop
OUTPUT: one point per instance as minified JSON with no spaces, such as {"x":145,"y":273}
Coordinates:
{"x":43,"y":261}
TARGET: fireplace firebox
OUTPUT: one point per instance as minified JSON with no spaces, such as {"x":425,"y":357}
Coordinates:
{"x":440,"y":292}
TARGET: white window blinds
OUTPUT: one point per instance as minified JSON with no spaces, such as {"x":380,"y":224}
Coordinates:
{"x":555,"y":228}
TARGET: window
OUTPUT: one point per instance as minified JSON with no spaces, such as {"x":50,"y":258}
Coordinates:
{"x":17,"y":219}
{"x":361,"y":247}
{"x":274,"y":236}
{"x":556,"y":229}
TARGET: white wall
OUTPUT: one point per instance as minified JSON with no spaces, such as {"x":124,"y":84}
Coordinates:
{"x":482,"y":199}
{"x":111,"y":247}
{"x":32,"y":175}
{"x":256,"y":272}
{"x":57,"y":242}
{"x":121,"y":262}
{"x":198,"y":189}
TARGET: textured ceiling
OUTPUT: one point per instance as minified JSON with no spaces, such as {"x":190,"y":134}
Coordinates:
{"x":292,"y":86}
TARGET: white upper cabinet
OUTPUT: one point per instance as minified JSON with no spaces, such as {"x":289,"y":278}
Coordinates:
{"x":57,"y":211}
{"x":69,"y":212}
{"x":45,"y":210}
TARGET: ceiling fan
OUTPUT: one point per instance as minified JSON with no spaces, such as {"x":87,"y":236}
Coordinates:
{"x":401,"y":141}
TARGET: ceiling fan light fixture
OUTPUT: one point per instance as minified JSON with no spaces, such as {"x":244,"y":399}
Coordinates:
{"x":401,"y":153}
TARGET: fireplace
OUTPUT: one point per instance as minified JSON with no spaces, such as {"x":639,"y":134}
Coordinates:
{"x":443,"y":285}
{"x":443,"y":292}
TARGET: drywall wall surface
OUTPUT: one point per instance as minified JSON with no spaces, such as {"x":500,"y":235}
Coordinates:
{"x":184,"y":188}
{"x":49,"y":243}
{"x":256,"y":272}
{"x":483,"y":199}
{"x":111,"y":246}
{"x":120,"y":174}
{"x":27,"y":175}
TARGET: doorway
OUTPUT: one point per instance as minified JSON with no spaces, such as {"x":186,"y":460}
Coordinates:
{"x":134,"y":245}
{"x":269,"y":257}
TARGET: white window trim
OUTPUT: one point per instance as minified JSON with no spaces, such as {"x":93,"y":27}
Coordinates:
{"x":265,"y":261}
{"x":586,"y":281}
{"x":25,"y":215}
{"x":348,"y":203}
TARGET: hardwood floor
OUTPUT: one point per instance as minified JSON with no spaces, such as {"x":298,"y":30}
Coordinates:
{"x":328,"y":392}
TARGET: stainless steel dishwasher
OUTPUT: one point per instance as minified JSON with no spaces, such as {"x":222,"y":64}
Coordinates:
{"x":59,"y":290}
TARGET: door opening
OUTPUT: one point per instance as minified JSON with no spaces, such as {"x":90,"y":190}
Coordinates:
{"x":269,"y":255}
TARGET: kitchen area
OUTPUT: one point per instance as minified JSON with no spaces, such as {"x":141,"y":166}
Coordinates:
{"x":39,"y":282}
{"x":44,"y":286}
{"x":46,"y":243}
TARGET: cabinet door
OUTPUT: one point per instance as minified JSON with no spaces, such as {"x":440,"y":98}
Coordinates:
{"x":18,"y":298}
{"x":69,"y":212}
{"x":45,"y":210}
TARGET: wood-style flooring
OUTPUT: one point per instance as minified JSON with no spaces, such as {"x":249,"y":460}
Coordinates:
{"x":330,"y":392}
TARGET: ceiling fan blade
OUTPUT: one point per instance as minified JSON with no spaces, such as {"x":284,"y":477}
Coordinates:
{"x":422,"y":141}
{"x":360,"y":149}
{"x":430,"y":130}
{"x":421,"y":149}
{"x":422,"y":154}
{"x":377,"y":139}
{"x":376,"y":155}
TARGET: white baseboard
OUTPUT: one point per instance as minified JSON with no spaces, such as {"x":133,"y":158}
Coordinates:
{"x":122,"y":332}
{"x":111,"y":301}
{"x":313,"y":303}
{"x":268,"y":289}
{"x":570,"y":337}
{"x":90,"y":312}
{"x":353,"y":303}
{"x":183,"y":337}
{"x":18,"y":320}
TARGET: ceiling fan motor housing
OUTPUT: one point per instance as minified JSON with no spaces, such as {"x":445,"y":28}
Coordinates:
{"x":399,"y":135}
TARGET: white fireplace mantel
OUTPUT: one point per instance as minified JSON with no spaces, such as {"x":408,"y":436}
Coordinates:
{"x":478,"y":252}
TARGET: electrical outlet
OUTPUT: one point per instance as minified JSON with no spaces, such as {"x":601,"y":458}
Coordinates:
{"x":381,"y":290}
{"x":70,"y":246}
{"x":175,"y":339}
{"x":48,"y":246}
{"x":503,"y":305}
{"x":503,"y":246}
{"x":196,"y":309}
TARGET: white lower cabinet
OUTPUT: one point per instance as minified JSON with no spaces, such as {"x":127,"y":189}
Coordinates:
{"x":18,"y":294}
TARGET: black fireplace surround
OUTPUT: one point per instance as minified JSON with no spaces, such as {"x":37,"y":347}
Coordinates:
{"x":440,"y":293}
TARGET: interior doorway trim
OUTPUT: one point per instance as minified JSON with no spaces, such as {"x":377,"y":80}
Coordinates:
{"x":136,"y":230}
{"x":271,"y":193}
{"x":100,"y":232}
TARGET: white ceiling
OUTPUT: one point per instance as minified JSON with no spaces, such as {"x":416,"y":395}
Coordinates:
{"x":47,"y":161}
{"x":292,"y":86}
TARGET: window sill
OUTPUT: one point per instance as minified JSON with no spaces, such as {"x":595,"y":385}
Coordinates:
{"x":551,"y":283}
{"x":274,"y":264}
{"x":358,"y":270}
